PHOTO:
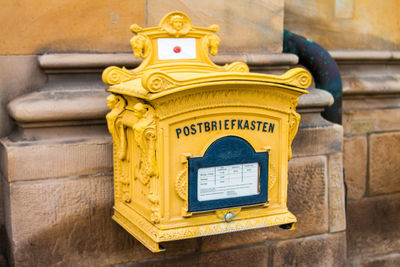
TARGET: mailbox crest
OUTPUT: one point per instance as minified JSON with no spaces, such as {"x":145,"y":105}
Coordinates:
{"x":199,"y":149}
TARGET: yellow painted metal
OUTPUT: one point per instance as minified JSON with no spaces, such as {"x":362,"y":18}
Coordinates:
{"x":151,"y":102}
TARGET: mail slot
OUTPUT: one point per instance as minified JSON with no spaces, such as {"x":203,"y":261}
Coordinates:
{"x":199,"y":149}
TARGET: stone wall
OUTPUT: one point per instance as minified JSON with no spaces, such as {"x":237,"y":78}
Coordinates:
{"x":346,"y":24}
{"x":99,"y":26}
{"x":56,"y":168}
{"x":57,"y":182}
{"x":371,"y":122}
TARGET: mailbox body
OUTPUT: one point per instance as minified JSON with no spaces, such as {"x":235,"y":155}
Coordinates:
{"x":199,"y":149}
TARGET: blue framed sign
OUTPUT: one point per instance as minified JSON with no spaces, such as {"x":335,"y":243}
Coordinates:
{"x":230,"y":174}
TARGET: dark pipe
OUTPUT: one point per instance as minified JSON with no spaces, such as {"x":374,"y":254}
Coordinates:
{"x":322,"y":67}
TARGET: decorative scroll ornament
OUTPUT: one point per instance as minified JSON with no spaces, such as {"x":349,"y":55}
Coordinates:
{"x":114,"y":75}
{"x":157,"y":81}
{"x":301,"y":79}
{"x":237,"y":67}
{"x":294,"y":120}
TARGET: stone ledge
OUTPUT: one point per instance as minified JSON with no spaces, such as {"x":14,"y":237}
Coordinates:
{"x":75,"y":105}
{"x":99,"y":61}
{"x":371,"y":102}
{"x":364,"y":55}
{"x":316,"y":99}
{"x":366,"y":73}
{"x":66,"y":105}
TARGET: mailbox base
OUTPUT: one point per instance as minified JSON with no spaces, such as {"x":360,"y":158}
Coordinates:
{"x":151,"y":236}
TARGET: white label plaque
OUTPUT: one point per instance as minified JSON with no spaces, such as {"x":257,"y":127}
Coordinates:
{"x":228,"y":181}
{"x":176,"y":48}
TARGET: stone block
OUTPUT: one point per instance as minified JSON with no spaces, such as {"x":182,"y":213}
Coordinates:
{"x":384,"y":167}
{"x":391,"y":260}
{"x":355,"y":165}
{"x":317,"y":140}
{"x":229,"y":240}
{"x":371,"y":120}
{"x":245,"y":26}
{"x":319,"y":250}
{"x":67,"y":221}
{"x":307,"y":196}
{"x":337,"y":213}
{"x":373,"y":226}
{"x":95,"y":26}
{"x":254,"y":255}
{"x":56,"y":158}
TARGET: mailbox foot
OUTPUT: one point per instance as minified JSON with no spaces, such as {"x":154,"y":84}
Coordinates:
{"x":138,"y":233}
{"x":288,"y":226}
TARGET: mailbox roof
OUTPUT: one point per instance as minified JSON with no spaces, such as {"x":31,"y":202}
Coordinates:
{"x":154,"y":84}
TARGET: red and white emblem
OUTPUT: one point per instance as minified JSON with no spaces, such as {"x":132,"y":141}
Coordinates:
{"x":176,"y":48}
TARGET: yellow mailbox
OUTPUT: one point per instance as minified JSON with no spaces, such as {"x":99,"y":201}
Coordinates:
{"x":199,"y":149}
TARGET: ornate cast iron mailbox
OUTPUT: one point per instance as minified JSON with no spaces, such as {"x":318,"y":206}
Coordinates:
{"x":199,"y":149}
